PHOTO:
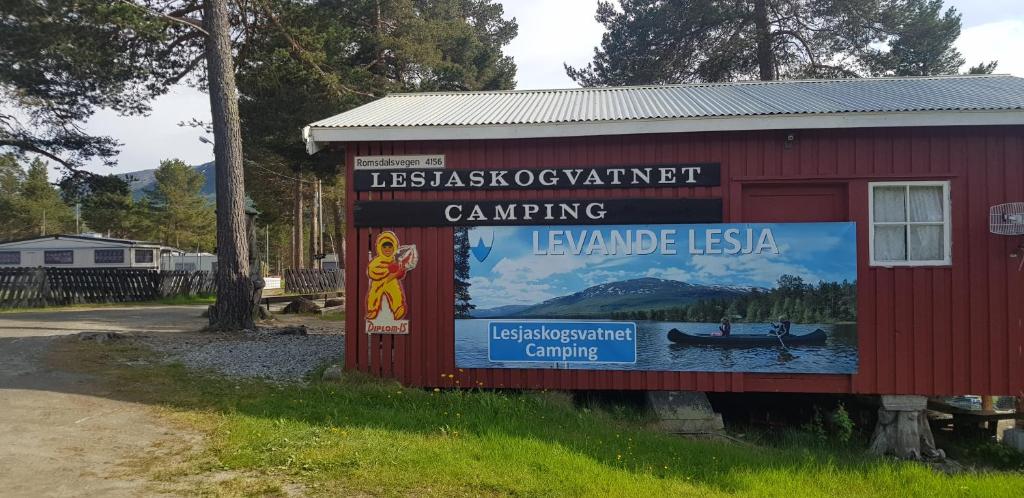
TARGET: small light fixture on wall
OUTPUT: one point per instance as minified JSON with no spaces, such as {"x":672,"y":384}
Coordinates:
{"x":790,"y":140}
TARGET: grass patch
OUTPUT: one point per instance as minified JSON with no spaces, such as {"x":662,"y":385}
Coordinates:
{"x":186,"y":300}
{"x":368,"y":436}
{"x":338,"y":316}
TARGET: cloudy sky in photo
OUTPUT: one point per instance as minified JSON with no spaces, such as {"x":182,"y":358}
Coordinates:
{"x":511,"y":273}
{"x":550,"y":33}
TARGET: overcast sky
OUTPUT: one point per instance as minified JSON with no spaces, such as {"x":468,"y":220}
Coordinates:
{"x":550,"y":33}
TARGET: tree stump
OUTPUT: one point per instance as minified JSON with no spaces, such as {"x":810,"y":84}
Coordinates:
{"x":903,"y":429}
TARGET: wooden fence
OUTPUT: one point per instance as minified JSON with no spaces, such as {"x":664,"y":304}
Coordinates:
{"x":38,"y":287}
{"x":187,"y":283}
{"x":309,"y":280}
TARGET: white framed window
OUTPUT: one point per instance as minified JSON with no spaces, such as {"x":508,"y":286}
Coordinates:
{"x":143,"y":255}
{"x":108,"y":256}
{"x":909,"y":223}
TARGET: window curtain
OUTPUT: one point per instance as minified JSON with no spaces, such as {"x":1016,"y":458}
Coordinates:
{"x":890,"y":205}
{"x":891,"y":242}
{"x":926,"y":204}
{"x":926,"y":241}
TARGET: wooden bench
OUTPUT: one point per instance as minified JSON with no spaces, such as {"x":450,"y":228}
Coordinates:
{"x":967,"y":420}
{"x":266,"y":301}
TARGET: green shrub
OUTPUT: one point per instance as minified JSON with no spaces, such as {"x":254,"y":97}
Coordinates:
{"x":842,"y":425}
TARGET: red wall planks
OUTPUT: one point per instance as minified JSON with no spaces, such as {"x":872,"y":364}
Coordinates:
{"x":931,"y":331}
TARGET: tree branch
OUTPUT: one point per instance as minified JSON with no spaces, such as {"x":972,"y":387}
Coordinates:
{"x":803,"y":42}
{"x":31,"y":148}
{"x":180,"y":19}
{"x":192,"y":64}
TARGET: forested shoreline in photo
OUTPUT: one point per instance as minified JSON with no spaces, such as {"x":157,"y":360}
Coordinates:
{"x":825,"y":302}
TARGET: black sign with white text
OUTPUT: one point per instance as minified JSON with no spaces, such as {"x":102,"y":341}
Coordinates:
{"x":667,"y":175}
{"x":536,"y":212}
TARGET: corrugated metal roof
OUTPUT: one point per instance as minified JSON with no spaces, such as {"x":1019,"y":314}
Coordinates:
{"x":799,"y":104}
{"x":956,"y":93}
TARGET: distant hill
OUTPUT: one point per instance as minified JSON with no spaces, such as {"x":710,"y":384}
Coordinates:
{"x":500,"y":311}
{"x":627,"y":295}
{"x":143,"y":180}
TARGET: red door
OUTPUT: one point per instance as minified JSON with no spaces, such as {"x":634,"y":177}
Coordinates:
{"x":794,"y":203}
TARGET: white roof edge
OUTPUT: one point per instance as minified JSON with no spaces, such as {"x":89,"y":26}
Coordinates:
{"x":317,"y":137}
{"x":312,"y":146}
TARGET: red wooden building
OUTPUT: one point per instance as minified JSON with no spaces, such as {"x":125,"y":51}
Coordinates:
{"x":943,"y":321}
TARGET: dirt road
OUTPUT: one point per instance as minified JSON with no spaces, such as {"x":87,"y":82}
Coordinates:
{"x":59,"y":435}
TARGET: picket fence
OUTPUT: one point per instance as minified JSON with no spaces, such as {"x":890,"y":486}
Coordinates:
{"x":39,"y":287}
{"x":310,"y":280}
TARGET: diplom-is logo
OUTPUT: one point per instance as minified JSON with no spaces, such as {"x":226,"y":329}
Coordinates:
{"x":386,"y":304}
{"x":480,"y":243}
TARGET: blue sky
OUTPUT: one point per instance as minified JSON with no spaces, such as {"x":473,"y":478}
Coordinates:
{"x":512,"y":274}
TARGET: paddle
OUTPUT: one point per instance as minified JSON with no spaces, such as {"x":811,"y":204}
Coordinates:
{"x":779,"y":337}
{"x":785,"y":350}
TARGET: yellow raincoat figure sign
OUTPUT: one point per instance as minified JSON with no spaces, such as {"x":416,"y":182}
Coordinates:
{"x":386,"y":306}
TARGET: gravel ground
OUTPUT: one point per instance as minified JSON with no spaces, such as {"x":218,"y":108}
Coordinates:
{"x":261,"y":354}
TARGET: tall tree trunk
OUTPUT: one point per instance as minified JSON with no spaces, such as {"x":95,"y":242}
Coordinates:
{"x":338,"y":216}
{"x":298,"y":253}
{"x":314,"y":228}
{"x":765,"y":54}
{"x":233,"y":310}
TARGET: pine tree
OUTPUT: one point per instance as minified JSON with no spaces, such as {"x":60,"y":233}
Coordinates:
{"x":60,"y":60}
{"x":463,"y":301}
{"x":39,"y":208}
{"x":106,"y":203}
{"x":176,"y":213}
{"x":920,"y":39}
{"x":11,"y":178}
{"x":677,"y":41}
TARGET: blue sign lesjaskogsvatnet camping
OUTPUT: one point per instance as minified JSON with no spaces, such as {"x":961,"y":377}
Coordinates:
{"x":774,"y":297}
{"x":564,"y":342}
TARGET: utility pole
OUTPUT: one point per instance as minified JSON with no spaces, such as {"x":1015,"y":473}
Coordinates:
{"x":297,"y":229}
{"x":314,"y":227}
{"x":320,"y":217}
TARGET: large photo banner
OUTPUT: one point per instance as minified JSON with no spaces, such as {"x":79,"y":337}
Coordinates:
{"x":772,"y":297}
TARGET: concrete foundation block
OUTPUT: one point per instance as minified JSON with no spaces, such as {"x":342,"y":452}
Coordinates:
{"x":1014,"y":438}
{"x":684,"y":412}
{"x":904,"y":403}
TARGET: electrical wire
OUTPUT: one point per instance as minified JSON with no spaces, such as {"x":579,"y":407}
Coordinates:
{"x":268,"y":170}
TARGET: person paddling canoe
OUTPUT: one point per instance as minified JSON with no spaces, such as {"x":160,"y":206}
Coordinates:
{"x":781,"y":328}
{"x":724,"y":329}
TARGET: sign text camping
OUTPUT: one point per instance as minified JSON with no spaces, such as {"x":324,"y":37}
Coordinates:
{"x":684,"y":175}
{"x":535,"y":212}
